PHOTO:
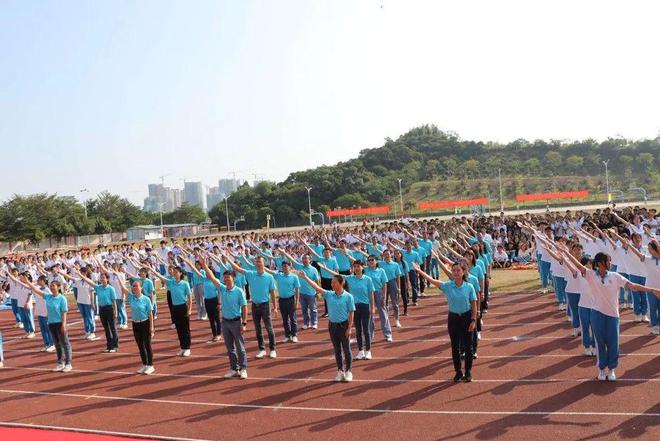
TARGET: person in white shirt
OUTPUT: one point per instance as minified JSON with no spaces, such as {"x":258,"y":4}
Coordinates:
{"x":501,"y":258}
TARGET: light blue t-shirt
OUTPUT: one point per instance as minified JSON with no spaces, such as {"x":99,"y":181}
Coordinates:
{"x":233,"y":301}
{"x":391,"y":268}
{"x":286,"y":285}
{"x":260,"y":286}
{"x":339,"y":306}
{"x":343,"y":262}
{"x":56,"y":307}
{"x":458,"y":298}
{"x":378,"y":277}
{"x":331,"y":264}
{"x":140,"y":307}
{"x":410,"y":257}
{"x":105,"y":294}
{"x":312,"y":273}
{"x":178,"y":291}
{"x":361,"y":288}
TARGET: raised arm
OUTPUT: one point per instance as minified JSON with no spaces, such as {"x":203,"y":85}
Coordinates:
{"x":334,"y":273}
{"x":315,"y":286}
{"x":430,"y":279}
{"x":237,"y":268}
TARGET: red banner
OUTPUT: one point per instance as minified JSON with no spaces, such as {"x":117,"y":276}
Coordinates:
{"x":547,"y":196}
{"x":453,"y":204}
{"x":382,"y":209}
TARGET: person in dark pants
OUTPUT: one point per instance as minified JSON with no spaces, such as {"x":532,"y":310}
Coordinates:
{"x":181,"y":306}
{"x":262,"y":286}
{"x":462,"y":302}
{"x":404,"y":280}
{"x":288,"y":291}
{"x":211,"y":297}
{"x":341,"y":308}
{"x":142,"y":316}
{"x":107,"y":309}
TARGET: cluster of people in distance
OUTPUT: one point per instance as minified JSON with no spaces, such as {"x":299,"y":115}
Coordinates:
{"x":597,"y":263}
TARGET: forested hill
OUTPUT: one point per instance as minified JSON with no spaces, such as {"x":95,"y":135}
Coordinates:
{"x":433,"y":163}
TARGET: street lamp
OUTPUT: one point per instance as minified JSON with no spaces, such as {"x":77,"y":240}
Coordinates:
{"x":499,"y":177}
{"x":309,"y":203}
{"x":400,"y":196}
{"x":227,"y":213}
{"x":607,"y":181}
{"x":84,"y":190}
{"x":160,"y":208}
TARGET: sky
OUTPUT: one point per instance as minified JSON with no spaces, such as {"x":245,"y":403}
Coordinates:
{"x":112,"y":95}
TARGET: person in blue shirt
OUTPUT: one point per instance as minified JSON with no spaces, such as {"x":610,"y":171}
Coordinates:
{"x":341,"y":307}
{"x":462,"y":302}
{"x":57,"y":307}
{"x":379,"y":280}
{"x":142,"y":316}
{"x":308,"y":296}
{"x":234,"y":322}
{"x":326,"y":259}
{"x":288,"y":293}
{"x":181,"y":306}
{"x":404,"y":280}
{"x":262,"y":287}
{"x":411,"y":256}
{"x":107,"y":310}
{"x":202,"y":272}
{"x":393,"y":274}
{"x":362,"y":289}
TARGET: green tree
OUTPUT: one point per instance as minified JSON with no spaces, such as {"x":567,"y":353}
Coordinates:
{"x":185,"y":214}
{"x":575,"y":163}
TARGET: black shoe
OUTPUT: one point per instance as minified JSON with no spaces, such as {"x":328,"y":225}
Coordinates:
{"x":458,"y":377}
{"x":467,"y":377}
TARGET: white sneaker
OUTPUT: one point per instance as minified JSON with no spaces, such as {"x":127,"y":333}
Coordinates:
{"x":50,"y":349}
{"x":593,"y":352}
{"x":180,"y":353}
{"x":186,"y":353}
{"x":294,"y":339}
{"x":638,"y":318}
{"x":348,"y":377}
{"x":587,"y":352}
{"x":569,"y":319}
{"x":30,"y":335}
{"x":601,"y":375}
{"x":397,"y":324}
{"x":17,"y":325}
{"x":360,"y":356}
{"x":367,"y":355}
{"x":92,"y":337}
{"x":43,"y":349}
{"x":544,"y":291}
{"x":272,"y":354}
{"x":340,"y":376}
{"x":172,"y":326}
{"x":231,"y":374}
{"x":305,"y":327}
{"x":611,"y":376}
{"x":478,"y":335}
{"x":655,"y":330}
{"x":1,"y":365}
{"x":58,"y":368}
{"x":67,"y":368}
{"x":204,"y":317}
{"x":112,"y":351}
{"x":149,"y":370}
{"x":315,"y":326}
{"x":20,"y":326}
{"x":388,"y":339}
{"x":141,"y":370}
{"x":575,"y":332}
{"x":286,"y":340}
{"x":243,"y":374}
{"x":261,"y":354}
{"x":645,"y":318}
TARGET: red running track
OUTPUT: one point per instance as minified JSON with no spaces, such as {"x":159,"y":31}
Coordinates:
{"x":530,"y":380}
{"x":24,"y":434}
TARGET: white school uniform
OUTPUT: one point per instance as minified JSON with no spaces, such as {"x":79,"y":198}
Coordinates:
{"x":605,"y":291}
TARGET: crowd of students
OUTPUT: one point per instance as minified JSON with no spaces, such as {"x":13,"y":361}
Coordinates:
{"x":353,"y":273}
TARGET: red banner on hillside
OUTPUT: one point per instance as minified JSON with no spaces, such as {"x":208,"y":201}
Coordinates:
{"x":382,"y":209}
{"x":453,"y":204}
{"x":547,"y":196}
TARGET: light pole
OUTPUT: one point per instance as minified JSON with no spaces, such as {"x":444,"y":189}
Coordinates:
{"x":160,"y":208}
{"x":499,"y":177}
{"x":400,"y":196}
{"x":607,"y":181}
{"x":309,"y":204}
{"x":227,"y":211}
{"x":84,"y":190}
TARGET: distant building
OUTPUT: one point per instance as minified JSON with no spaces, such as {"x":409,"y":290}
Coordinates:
{"x":144,"y":232}
{"x":214,"y":197}
{"x":170,"y":197}
{"x":228,"y":186}
{"x":194,"y":194}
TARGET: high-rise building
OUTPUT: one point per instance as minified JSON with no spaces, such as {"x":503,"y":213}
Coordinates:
{"x":214,"y":197}
{"x":194,"y":194}
{"x":228,"y":186}
{"x":159,"y":194}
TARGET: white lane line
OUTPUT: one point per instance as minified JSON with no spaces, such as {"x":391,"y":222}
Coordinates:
{"x":279,"y":407}
{"x":331,"y":357}
{"x":355,"y":380}
{"x":96,"y":432}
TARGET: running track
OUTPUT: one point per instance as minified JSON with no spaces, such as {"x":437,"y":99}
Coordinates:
{"x":530,"y":380}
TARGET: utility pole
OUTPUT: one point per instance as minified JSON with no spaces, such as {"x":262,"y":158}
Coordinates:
{"x":499,"y":177}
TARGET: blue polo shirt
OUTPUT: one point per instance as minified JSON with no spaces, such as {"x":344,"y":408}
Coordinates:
{"x":427,"y":245}
{"x":410,"y":257}
{"x":477,"y":272}
{"x":178,"y":291}
{"x":318,"y":249}
{"x":105,"y":294}
{"x":391,"y":268}
{"x":474,"y":281}
{"x":343,"y":262}
{"x":458,"y":298}
{"x":210,"y":291}
{"x":312,"y":273}
{"x":331,"y":264}
{"x":361,"y":288}
{"x":140,"y":307}
{"x":421,"y":254}
{"x":376,"y":250}
{"x":278,"y":262}
{"x":286,"y":285}
{"x":56,"y":307}
{"x":260,"y":286}
{"x":339,"y":306}
{"x":233,"y":301}
{"x":378,"y":277}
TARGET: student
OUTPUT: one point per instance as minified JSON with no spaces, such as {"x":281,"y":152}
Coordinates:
{"x":341,"y":308}
{"x":14,"y":291}
{"x":262,"y":287}
{"x":181,"y":307}
{"x":105,"y":294}
{"x":650,"y":266}
{"x":304,"y":289}
{"x":379,"y":280}
{"x":42,"y":315}
{"x":117,"y":280}
{"x":210,"y":297}
{"x":605,"y":286}
{"x":404,"y":279}
{"x":85,"y":300}
{"x":23,"y":296}
{"x":142,"y":316}
{"x":308,"y":302}
{"x":234,"y":321}
{"x":462,"y":302}
{"x":393,"y":273}
{"x":288,"y":292}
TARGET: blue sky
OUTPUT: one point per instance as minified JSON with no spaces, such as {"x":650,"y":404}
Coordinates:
{"x":110,"y":95}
